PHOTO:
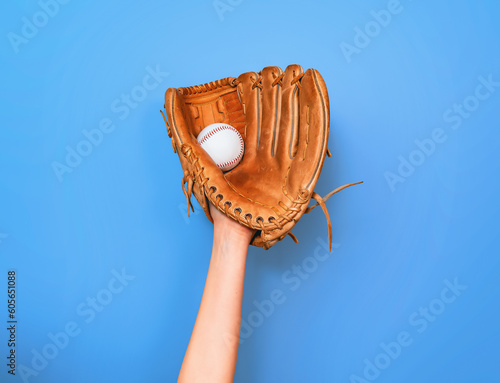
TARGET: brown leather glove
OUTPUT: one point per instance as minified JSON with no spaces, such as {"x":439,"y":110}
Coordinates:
{"x":284,"y":118}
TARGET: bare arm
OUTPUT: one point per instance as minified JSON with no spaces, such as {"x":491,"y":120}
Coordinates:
{"x":213,"y":348}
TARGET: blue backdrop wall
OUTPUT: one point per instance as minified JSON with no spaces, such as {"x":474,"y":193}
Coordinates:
{"x":109,"y":268}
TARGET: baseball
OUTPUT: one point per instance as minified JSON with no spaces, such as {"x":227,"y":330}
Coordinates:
{"x":224,"y":145}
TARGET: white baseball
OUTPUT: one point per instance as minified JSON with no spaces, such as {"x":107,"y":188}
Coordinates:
{"x":224,"y":145}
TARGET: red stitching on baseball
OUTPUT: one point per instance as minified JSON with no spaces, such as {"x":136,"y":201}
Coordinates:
{"x":220,"y":129}
{"x":211,"y":133}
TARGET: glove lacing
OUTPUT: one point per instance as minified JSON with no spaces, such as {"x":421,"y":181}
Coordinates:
{"x":321,"y":202}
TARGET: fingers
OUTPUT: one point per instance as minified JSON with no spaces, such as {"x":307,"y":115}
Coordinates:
{"x":249,"y":88}
{"x":314,"y":116}
{"x":313,"y":132}
{"x":271,"y":110}
{"x":288,"y":134}
{"x":175,"y":115}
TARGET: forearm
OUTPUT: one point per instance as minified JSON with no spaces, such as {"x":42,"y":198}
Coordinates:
{"x":213,"y":348}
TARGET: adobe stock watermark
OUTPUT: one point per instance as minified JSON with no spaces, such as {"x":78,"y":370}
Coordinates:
{"x":122,"y":107}
{"x":419,"y":321}
{"x":292,"y":278}
{"x":3,"y":236}
{"x":372,"y":28}
{"x":183,"y":209}
{"x":223,"y":6}
{"x":87,"y":312}
{"x":425,"y":148}
{"x":32,"y":25}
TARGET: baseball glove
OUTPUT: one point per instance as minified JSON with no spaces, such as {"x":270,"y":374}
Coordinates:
{"x":284,"y":120}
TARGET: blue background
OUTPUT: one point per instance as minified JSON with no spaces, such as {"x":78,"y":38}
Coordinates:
{"x":122,"y":207}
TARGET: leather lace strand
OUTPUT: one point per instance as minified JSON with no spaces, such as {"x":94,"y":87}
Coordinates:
{"x":321,"y":202}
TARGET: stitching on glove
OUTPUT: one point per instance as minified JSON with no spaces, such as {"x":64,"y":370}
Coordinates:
{"x":260,"y":222}
{"x":251,"y":200}
{"x":307,"y":133}
{"x":278,"y":80}
{"x":274,"y":221}
{"x":198,"y":173}
{"x":290,"y":214}
{"x":283,"y":188}
{"x":227,"y":205}
{"x":296,"y":80}
{"x":248,"y":219}
{"x":257,"y":83}
{"x":238,"y":212}
{"x":196,"y":89}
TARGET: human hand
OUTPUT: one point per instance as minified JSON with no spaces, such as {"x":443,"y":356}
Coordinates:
{"x":228,"y":227}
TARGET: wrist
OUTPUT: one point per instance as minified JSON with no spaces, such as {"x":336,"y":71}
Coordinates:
{"x":233,"y":233}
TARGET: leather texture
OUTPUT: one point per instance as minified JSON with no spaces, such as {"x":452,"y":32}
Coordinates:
{"x":284,"y":118}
